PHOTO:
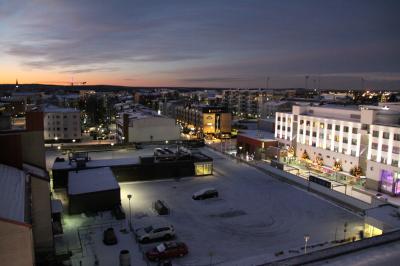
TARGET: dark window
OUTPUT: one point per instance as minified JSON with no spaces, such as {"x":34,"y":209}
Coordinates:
{"x":308,"y":132}
{"x":355,"y":130}
{"x":329,"y":126}
{"x":346,"y":129}
{"x":301,"y":121}
{"x":386,"y":135}
{"x":337,"y":128}
{"x":375,"y":133}
{"x":314,"y":134}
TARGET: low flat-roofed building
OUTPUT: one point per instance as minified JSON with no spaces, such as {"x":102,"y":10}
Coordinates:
{"x":92,"y":190}
{"x":254,"y":143}
{"x":144,"y":125}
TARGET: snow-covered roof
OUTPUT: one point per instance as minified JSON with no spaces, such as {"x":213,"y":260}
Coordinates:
{"x":12,"y":193}
{"x":56,"y":109}
{"x":97,"y":163}
{"x":91,"y":180}
{"x":386,"y":214}
{"x":260,"y":135}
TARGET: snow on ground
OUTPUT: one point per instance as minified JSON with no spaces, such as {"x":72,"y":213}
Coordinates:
{"x":255,"y":216}
{"x":84,"y":237}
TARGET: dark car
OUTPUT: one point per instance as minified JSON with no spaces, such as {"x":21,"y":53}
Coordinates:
{"x":205,"y":193}
{"x":167,"y":250}
{"x":109,"y":237}
{"x":161,"y":208}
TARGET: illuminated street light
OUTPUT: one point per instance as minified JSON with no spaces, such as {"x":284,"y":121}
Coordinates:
{"x":74,"y":140}
{"x":58,"y":147}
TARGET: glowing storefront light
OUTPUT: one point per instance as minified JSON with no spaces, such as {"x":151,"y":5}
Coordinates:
{"x":370,"y":231}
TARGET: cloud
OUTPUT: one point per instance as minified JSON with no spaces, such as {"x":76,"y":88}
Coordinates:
{"x":88,"y":70}
{"x":208,"y":41}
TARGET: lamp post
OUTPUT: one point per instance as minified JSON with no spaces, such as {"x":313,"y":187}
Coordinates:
{"x":112,"y":150}
{"x":306,"y":238}
{"x":130,"y":212}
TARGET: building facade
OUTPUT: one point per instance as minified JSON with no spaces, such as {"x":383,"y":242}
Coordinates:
{"x":366,"y":139}
{"x":206,"y":120}
{"x":61,"y":124}
{"x":145,"y":126}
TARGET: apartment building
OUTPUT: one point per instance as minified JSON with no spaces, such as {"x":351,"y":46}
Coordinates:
{"x":244,"y":103}
{"x":206,"y":120}
{"x":61,"y":124}
{"x":254,"y":103}
{"x":343,"y":138}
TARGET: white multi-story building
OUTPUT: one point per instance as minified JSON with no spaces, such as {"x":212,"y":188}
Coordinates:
{"x":145,"y":125}
{"x":61,"y":124}
{"x":367,"y":137}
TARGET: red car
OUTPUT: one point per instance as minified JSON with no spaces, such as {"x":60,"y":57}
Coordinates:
{"x":167,"y":250}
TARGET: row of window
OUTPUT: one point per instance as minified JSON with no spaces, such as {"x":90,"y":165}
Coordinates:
{"x":384,"y":160}
{"x":283,"y":128}
{"x":322,"y":135}
{"x":65,"y":129}
{"x":65,"y":136}
{"x":284,"y":119}
{"x":386,"y":135}
{"x":57,"y":116}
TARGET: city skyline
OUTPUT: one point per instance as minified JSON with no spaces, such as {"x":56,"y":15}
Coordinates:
{"x":207,"y":44}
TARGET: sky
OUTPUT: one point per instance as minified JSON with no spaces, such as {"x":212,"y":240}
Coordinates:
{"x":207,"y":43}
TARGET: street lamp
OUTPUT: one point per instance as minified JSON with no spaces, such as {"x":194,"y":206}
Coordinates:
{"x":73,"y":140}
{"x":130,"y":212}
{"x":306,"y":238}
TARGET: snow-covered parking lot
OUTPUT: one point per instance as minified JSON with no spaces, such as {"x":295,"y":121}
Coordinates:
{"x":255,"y":216}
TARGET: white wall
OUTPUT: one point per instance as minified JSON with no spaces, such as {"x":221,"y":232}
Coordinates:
{"x":160,"y":128}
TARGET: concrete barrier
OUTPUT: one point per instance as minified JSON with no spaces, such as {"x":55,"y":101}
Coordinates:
{"x":321,"y":255}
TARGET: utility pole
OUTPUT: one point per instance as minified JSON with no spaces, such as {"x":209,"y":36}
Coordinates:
{"x":267,"y":83}
{"x":306,"y":81}
{"x":130,"y":212}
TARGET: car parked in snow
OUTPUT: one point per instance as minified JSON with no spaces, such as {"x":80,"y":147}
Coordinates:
{"x":167,"y":250}
{"x":205,"y":193}
{"x":109,"y":237}
{"x":149,"y":233}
